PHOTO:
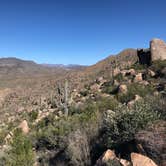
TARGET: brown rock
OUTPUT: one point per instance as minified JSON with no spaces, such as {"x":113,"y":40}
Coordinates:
{"x":158,"y":49}
{"x":108,"y":155}
{"x":24,"y":127}
{"x":153,"y":141}
{"x":123,"y":88}
{"x":140,"y":160}
{"x":125,"y":162}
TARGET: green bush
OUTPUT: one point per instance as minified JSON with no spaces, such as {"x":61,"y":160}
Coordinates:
{"x":138,"y":66}
{"x":33,"y":115}
{"x":158,"y":65}
{"x":21,"y":152}
{"x":126,"y":122}
{"x":134,"y":89}
{"x":84,"y":93}
{"x":108,"y":103}
{"x":119,"y":77}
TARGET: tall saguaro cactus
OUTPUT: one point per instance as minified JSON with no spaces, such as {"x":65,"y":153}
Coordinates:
{"x":66,"y":98}
{"x":62,"y":97}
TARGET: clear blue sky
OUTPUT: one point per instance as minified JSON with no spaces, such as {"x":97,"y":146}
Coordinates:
{"x":77,"y":31}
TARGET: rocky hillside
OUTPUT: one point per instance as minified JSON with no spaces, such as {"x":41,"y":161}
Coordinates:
{"x":110,"y":114}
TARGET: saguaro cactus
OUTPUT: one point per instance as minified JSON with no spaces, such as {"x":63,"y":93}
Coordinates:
{"x":62,"y":97}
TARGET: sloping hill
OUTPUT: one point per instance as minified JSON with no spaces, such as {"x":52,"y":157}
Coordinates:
{"x":123,"y":59}
{"x":16,"y":68}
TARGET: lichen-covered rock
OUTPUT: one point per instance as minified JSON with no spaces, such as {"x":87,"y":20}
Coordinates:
{"x":153,"y":141}
{"x":158,"y":49}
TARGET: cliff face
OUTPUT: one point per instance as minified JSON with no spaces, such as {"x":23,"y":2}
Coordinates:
{"x":158,"y":49}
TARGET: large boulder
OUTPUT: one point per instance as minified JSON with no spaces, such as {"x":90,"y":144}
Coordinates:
{"x":153,"y":141}
{"x":141,"y":160}
{"x":158,"y":49}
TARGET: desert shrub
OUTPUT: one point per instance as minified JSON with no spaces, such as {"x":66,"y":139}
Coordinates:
{"x":158,"y":65}
{"x":78,"y":149}
{"x":108,"y":103}
{"x":134,"y":89}
{"x":138,"y":66}
{"x":21,"y":152}
{"x":157,"y":104}
{"x":119,"y":77}
{"x":57,"y":135}
{"x":126,"y":122}
{"x":3,"y":133}
{"x":33,"y":115}
{"x":113,"y":162}
{"x":84,"y":93}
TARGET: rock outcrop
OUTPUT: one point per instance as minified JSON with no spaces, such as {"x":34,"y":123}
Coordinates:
{"x":153,"y":141}
{"x":158,"y":49}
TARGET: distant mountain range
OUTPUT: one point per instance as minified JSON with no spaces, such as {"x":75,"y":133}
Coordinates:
{"x":70,"y":66}
{"x":13,"y":67}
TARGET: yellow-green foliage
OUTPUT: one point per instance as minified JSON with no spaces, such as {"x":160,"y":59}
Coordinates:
{"x":21,"y":153}
{"x":134,"y":89}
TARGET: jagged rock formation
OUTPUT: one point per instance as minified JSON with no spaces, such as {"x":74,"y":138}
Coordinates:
{"x":144,"y":56}
{"x":158,"y":49}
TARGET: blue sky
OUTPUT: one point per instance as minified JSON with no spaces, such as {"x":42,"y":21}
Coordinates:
{"x":77,"y":31}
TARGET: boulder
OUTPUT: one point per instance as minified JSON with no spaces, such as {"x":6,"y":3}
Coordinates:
{"x":24,"y":127}
{"x":158,"y":49}
{"x":138,"y":77}
{"x":151,"y":73}
{"x":132,"y":72}
{"x":136,"y":98}
{"x":153,"y":141}
{"x":116,"y":71}
{"x":108,"y":157}
{"x":123,"y":88}
{"x":125,"y":162}
{"x":141,"y":160}
{"x":101,"y":80}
